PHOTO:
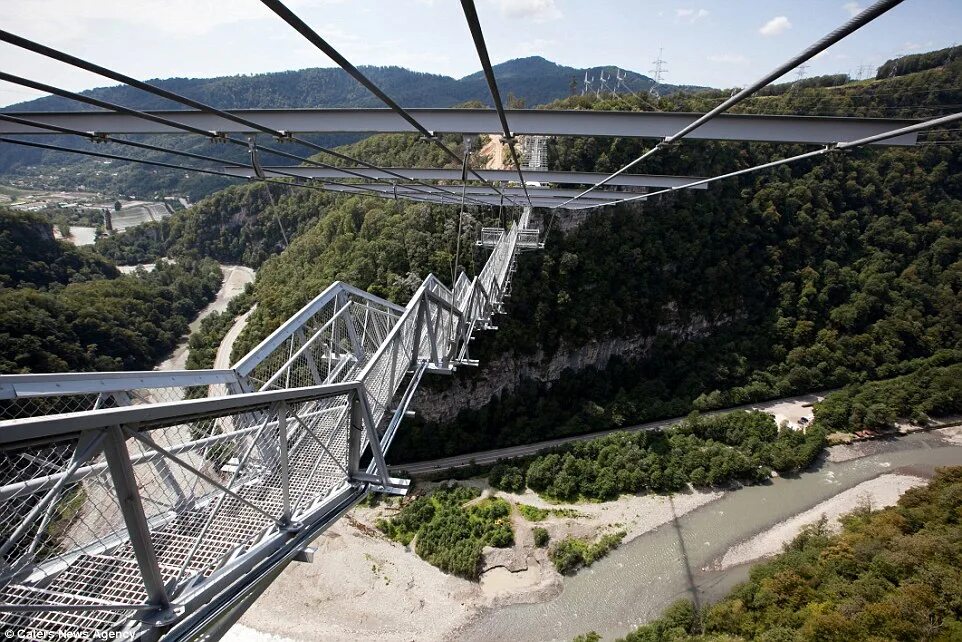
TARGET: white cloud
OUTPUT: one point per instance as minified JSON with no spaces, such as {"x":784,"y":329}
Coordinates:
{"x":853,"y":8}
{"x":729,"y":59}
{"x":691,"y":15}
{"x":775,"y":26}
{"x":62,"y":20}
{"x":536,"y":10}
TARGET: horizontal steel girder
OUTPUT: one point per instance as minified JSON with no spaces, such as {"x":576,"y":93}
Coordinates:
{"x":550,"y":198}
{"x":744,"y":127}
{"x":544,"y":193}
{"x":494,"y":175}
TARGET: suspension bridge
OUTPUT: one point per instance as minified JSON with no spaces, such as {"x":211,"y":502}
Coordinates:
{"x":159,"y":504}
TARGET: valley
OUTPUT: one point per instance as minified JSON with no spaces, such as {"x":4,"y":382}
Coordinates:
{"x":725,"y":415}
{"x":695,"y":544}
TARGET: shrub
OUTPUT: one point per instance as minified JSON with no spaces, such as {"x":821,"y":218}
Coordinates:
{"x":541,"y":536}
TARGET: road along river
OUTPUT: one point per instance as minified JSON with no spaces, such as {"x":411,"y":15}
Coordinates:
{"x":236,"y":278}
{"x":682,"y":559}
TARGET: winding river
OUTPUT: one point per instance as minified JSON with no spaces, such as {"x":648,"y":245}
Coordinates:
{"x":637,"y":581}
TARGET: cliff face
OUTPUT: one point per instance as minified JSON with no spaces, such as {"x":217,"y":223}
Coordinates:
{"x":506,"y":372}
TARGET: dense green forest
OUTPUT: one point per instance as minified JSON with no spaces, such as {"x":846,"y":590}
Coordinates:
{"x":65,"y":308}
{"x":893,"y":575}
{"x":925,"y":393}
{"x":703,"y":451}
{"x":450,"y":528}
{"x":808,"y":277}
{"x":816,"y":275}
{"x":30,"y":256}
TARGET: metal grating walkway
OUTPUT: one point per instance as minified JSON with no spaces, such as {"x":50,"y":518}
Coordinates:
{"x":204,"y":491}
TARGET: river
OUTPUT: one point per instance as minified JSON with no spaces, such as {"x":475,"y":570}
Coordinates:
{"x":236,"y":278}
{"x":637,"y":581}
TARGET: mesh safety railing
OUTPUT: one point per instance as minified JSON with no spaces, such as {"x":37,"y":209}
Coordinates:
{"x":121,"y":496}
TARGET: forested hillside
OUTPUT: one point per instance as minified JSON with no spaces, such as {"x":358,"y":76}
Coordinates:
{"x":808,"y":277}
{"x":31,"y":256}
{"x":893,"y":574}
{"x":525,"y":81}
{"x":66,"y":309}
{"x":805,"y":278}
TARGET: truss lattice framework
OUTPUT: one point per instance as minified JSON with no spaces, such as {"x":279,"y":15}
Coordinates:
{"x":155,"y":502}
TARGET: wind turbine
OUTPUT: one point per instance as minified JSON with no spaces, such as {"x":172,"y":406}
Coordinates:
{"x":604,"y":82}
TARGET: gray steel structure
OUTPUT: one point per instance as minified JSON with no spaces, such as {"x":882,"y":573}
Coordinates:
{"x":126,"y":507}
{"x":442,"y":174}
{"x":736,"y":127}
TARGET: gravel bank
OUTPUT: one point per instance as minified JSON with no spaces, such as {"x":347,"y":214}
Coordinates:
{"x":365,"y":587}
{"x":880,"y":492}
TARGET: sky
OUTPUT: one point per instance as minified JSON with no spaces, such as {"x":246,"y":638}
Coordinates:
{"x":720,"y":43}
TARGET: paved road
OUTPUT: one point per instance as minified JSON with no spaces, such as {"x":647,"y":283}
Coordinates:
{"x":790,"y":408}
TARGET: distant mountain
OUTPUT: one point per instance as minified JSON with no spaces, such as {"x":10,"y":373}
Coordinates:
{"x":534,"y":80}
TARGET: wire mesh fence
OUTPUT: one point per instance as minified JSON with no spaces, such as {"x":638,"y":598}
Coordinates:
{"x":211,"y":487}
{"x":208,"y":490}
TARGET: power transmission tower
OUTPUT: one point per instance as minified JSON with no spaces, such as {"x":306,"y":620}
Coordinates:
{"x":801,"y":72}
{"x":588,"y":82}
{"x":862,"y":71}
{"x":657,"y":71}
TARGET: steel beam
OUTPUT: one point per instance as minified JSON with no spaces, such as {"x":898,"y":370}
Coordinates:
{"x":440,"y":174}
{"x":150,"y":416}
{"x":128,"y":497}
{"x":743,"y":127}
{"x":79,"y":383}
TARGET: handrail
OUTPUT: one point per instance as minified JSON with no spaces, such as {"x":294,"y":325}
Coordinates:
{"x":21,"y":386}
{"x":49,"y":427}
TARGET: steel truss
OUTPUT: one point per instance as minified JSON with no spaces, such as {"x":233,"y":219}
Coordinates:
{"x":127,"y":507}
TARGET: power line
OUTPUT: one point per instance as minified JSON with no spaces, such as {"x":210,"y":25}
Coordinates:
{"x":827,"y":41}
{"x":474,"y":24}
{"x":842,"y":146}
{"x":314,"y":38}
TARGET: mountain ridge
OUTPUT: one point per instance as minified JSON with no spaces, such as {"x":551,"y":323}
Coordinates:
{"x":533,"y":79}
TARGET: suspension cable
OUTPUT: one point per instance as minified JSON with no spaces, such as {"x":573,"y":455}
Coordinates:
{"x":314,"y":38}
{"x":318,"y":185}
{"x":103,"y":104}
{"x":837,"y":147}
{"x":168,"y":95}
{"x":156,"y":148}
{"x":95,"y":137}
{"x":827,"y":41}
{"x":474,"y":24}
